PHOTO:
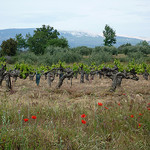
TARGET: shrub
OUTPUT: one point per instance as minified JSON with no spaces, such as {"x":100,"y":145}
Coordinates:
{"x":83,"y":50}
{"x":54,"y":54}
{"x":112,"y":50}
{"x":63,"y":56}
{"x":9,"y":47}
{"x":137,"y":56}
{"x":51,"y":50}
{"x":100,"y":57}
{"x":27,"y":57}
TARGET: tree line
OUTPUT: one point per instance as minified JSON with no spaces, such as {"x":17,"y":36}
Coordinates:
{"x":43,"y":37}
{"x":47,"y":45}
{"x":37,"y":43}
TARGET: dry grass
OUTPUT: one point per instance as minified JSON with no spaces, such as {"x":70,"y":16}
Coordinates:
{"x":58,"y":124}
{"x":26,"y":91}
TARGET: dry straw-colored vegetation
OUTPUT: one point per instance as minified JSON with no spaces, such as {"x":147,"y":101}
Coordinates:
{"x":58,"y":124}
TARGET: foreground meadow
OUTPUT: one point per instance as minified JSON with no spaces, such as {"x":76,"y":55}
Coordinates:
{"x":82,"y":116}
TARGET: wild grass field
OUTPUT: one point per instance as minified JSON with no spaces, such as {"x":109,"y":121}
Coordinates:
{"x":46,"y":118}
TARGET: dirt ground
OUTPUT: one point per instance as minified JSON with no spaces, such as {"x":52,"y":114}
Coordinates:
{"x":27,"y":92}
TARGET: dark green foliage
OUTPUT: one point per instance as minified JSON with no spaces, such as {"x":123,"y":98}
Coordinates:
{"x":42,"y":38}
{"x":27,"y":57}
{"x":138,"y":56}
{"x":143,"y":43}
{"x":62,"y":42}
{"x":127,"y":49}
{"x":144,"y":50}
{"x":142,"y":47}
{"x":68,"y":57}
{"x":9,"y":47}
{"x":124,"y":48}
{"x":110,"y":36}
{"x":124,"y":45}
{"x":37,"y":43}
{"x":83,"y":50}
{"x":100,"y":57}
{"x":110,"y":49}
{"x":98,"y":49}
{"x":52,"y":55}
{"x":21,"y":42}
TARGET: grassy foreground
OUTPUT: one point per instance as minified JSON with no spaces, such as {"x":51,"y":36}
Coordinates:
{"x":119,"y":120}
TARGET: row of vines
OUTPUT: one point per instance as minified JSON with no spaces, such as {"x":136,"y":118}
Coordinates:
{"x":30,"y":69}
{"x":116,"y":72}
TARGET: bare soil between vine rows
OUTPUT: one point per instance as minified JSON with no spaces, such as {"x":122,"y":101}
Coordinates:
{"x":27,"y":92}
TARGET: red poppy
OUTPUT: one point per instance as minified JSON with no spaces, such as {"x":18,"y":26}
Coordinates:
{"x":100,"y":104}
{"x":83,"y":116}
{"x":26,"y":119}
{"x":139,"y":125}
{"x":106,"y":107}
{"x":132,"y":116}
{"x":123,"y":94}
{"x":37,"y":112}
{"x":119,"y":104}
{"x":140,"y":114}
{"x":83,"y":121}
{"x":33,"y":117}
{"x":148,"y":108}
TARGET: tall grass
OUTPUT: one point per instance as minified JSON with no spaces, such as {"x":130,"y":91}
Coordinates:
{"x":60,"y":126}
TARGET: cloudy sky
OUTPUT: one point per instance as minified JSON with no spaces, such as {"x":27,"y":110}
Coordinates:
{"x":126,"y":17}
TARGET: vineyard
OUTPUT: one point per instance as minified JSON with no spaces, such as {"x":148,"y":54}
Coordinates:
{"x":116,"y":72}
{"x":75,"y":106}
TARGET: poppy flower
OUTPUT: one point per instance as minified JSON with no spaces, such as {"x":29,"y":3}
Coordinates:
{"x":119,"y":104}
{"x":83,"y":121}
{"x":148,"y":108}
{"x":132,"y":116}
{"x":100,"y":104}
{"x":33,"y":117}
{"x":139,"y":125}
{"x":106,"y":107}
{"x":83,"y":116}
{"x":123,"y":94}
{"x":26,"y":119}
{"x":140,"y":114}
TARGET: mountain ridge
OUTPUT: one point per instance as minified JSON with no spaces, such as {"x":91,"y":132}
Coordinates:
{"x":75,"y":38}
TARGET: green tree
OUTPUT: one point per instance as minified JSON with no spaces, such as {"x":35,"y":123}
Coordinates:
{"x":110,"y":36}
{"x":58,"y":42}
{"x":42,"y":38}
{"x":9,"y":47}
{"x":124,"y":48}
{"x":143,"y":43}
{"x":21,"y":42}
{"x":83,"y":50}
{"x":143,"y":47}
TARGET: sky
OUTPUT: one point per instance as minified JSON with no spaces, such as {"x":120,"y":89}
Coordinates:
{"x":127,"y":17}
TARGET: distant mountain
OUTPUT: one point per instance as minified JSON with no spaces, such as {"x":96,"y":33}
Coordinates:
{"x":11,"y":33}
{"x":90,"y":40}
{"x":74,"y":38}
